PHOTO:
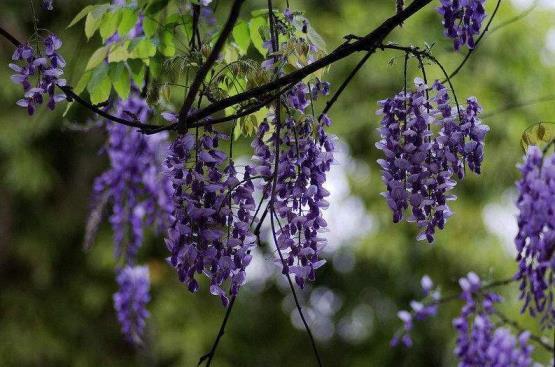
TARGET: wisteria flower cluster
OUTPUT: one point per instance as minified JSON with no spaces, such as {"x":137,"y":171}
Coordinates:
{"x":462,"y":20}
{"x":135,"y":184}
{"x":39,"y":72}
{"x":419,"y":165}
{"x":213,"y":213}
{"x":305,"y":155}
{"x":535,"y":241}
{"x":420,"y":310}
{"x":479,"y":341}
{"x":130,"y":301}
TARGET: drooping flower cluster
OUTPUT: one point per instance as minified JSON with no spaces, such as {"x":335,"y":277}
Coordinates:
{"x":130,"y":301}
{"x":419,"y":164}
{"x":135,"y":185}
{"x":462,"y":20}
{"x":479,"y":342}
{"x":421,"y":310}
{"x":305,"y":157}
{"x":213,"y":212}
{"x":535,"y":241}
{"x":39,"y":72}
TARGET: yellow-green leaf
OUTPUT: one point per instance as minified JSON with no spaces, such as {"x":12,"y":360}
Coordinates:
{"x":119,"y":75}
{"x":255,"y":27}
{"x":149,"y":26}
{"x":82,"y":14}
{"x":97,"y":58}
{"x":119,"y":52}
{"x":128,"y":20}
{"x":167,"y":46}
{"x":82,"y":83}
{"x":99,"y":86}
{"x":143,"y":49}
{"x":539,"y":134}
{"x":242,"y":37}
{"x":109,"y":24}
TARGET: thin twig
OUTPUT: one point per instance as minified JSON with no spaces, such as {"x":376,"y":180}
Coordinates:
{"x":344,"y":85}
{"x":520,"y":329}
{"x":367,"y":43}
{"x":471,"y":51}
{"x":210,"y":355}
{"x":207,"y":66}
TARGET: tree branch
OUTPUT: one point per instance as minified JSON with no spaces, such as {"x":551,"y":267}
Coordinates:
{"x":368,"y":43}
{"x":205,"y":68}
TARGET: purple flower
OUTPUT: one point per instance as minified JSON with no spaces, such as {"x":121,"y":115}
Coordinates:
{"x":462,"y":20}
{"x":418,"y":167}
{"x":39,"y":75}
{"x":479,"y":342}
{"x":211,"y":233}
{"x":137,"y":187}
{"x":130,"y":301}
{"x":420,"y":310}
{"x":535,"y":241}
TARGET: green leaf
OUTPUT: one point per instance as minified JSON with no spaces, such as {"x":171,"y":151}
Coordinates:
{"x":260,"y":12}
{"x":137,"y":71}
{"x":99,"y":86}
{"x":167,"y":46}
{"x":155,"y":6}
{"x":155,"y":67}
{"x":109,"y":24}
{"x":82,"y":14}
{"x":97,"y":58}
{"x":149,"y":26}
{"x":128,"y":20}
{"x":120,"y":79}
{"x":242,"y":37}
{"x":82,"y":83}
{"x":143,"y":49}
{"x":255,"y":26}
{"x":119,"y":52}
{"x":539,"y":134}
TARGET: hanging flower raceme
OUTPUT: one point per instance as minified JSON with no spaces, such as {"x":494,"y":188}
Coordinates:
{"x":419,"y":164}
{"x":130,"y":301}
{"x":420,"y":310}
{"x":135,"y":184}
{"x":39,"y":72}
{"x":479,"y":341}
{"x":462,"y":20}
{"x":535,"y":241}
{"x":305,"y":158}
{"x":213,"y":213}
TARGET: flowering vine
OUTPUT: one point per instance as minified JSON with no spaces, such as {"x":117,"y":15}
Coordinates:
{"x":191,"y":189}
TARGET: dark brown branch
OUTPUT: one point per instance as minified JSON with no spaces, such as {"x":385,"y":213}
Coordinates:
{"x":367,"y":43}
{"x":71,"y":96}
{"x":9,"y":37}
{"x":344,"y":85}
{"x":210,"y":355}
{"x":207,"y":66}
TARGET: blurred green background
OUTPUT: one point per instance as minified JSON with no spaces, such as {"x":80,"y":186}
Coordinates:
{"x":55,"y":298}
